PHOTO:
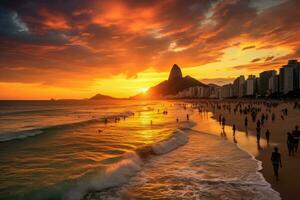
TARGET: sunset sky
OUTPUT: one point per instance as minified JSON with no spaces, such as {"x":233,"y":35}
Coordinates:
{"x":77,"y":48}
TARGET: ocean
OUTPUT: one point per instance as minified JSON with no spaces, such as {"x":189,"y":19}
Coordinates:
{"x":66,"y":150}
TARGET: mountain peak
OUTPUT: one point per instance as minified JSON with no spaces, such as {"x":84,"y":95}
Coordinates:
{"x":175,"y":73}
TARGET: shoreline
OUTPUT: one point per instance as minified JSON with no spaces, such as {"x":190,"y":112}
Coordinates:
{"x":288,"y":175}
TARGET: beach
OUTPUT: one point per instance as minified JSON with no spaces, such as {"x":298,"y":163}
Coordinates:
{"x":289,"y":175}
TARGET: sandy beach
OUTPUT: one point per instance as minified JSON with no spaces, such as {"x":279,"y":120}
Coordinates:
{"x":289,"y":174}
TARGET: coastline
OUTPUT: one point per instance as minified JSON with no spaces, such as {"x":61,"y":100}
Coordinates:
{"x":288,"y":175}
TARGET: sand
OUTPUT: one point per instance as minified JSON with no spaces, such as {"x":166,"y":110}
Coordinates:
{"x":289,"y":184}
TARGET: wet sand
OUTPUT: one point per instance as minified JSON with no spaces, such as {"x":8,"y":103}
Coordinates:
{"x":288,"y":185}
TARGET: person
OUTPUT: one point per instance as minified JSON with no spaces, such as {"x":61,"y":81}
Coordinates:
{"x":233,"y":130}
{"x":273,"y":117}
{"x":276,"y":162}
{"x":187,"y":117}
{"x":268,"y":136}
{"x":290,"y":144}
{"x":296,"y":134}
{"x":258,"y":124}
{"x":258,"y":134}
{"x":223,"y":122}
{"x":246,"y":122}
{"x":177,"y":120}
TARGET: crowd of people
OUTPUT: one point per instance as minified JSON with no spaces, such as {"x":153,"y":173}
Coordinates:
{"x":260,"y":113}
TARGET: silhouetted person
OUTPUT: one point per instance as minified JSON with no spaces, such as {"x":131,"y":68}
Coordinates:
{"x":276,"y":161}
{"x":223,"y":122}
{"x":177,"y":120}
{"x":151,"y":122}
{"x":258,"y":134}
{"x":246,"y":122}
{"x":187,"y":117}
{"x":273,"y":117}
{"x":268,"y":136}
{"x":258,"y":124}
{"x":290,"y":144}
{"x":296,"y":135}
{"x":233,"y":130}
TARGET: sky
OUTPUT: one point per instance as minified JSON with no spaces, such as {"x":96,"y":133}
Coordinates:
{"x":66,"y":49}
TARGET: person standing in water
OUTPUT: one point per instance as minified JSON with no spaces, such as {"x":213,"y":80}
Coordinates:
{"x":276,"y":162}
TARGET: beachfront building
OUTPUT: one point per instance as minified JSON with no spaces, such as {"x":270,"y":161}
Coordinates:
{"x":214,"y":92}
{"x":289,"y":77}
{"x":264,"y":81}
{"x":274,"y":84}
{"x":226,"y":91}
{"x":286,"y":79}
{"x":296,"y":73}
{"x":194,"y":92}
{"x":238,"y":88}
{"x":251,"y":85}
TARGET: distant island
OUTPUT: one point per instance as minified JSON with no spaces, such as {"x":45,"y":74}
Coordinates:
{"x":103,"y":97}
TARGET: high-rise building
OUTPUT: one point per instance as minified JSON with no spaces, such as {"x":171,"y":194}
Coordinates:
{"x":227,"y":91}
{"x":251,"y":85}
{"x":281,"y":80}
{"x":274,"y":84}
{"x":264,"y":81}
{"x":288,"y":83}
{"x":295,"y":65}
{"x":238,"y":86}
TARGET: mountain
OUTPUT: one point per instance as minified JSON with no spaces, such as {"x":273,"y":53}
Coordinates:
{"x":101,"y":97}
{"x":175,"y":83}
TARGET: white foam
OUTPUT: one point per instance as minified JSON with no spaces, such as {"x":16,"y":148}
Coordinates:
{"x":178,"y":139}
{"x":114,"y":175}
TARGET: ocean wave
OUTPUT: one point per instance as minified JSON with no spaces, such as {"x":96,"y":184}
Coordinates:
{"x":115,"y":175}
{"x":119,"y":173}
{"x":23,"y":134}
{"x":178,"y":139}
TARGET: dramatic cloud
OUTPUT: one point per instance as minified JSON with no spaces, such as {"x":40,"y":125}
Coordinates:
{"x":71,"y":43}
{"x":249,"y":47}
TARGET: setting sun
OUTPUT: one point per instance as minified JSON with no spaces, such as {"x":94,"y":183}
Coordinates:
{"x":144,"y":90}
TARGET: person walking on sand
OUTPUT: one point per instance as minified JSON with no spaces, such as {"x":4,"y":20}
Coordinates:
{"x":223,"y":122}
{"x":233,"y":130}
{"x":258,"y":134}
{"x":268,"y":136}
{"x":258,"y":123}
{"x":296,"y":135}
{"x":276,"y":162}
{"x":290,"y":144}
{"x":246,"y":122}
